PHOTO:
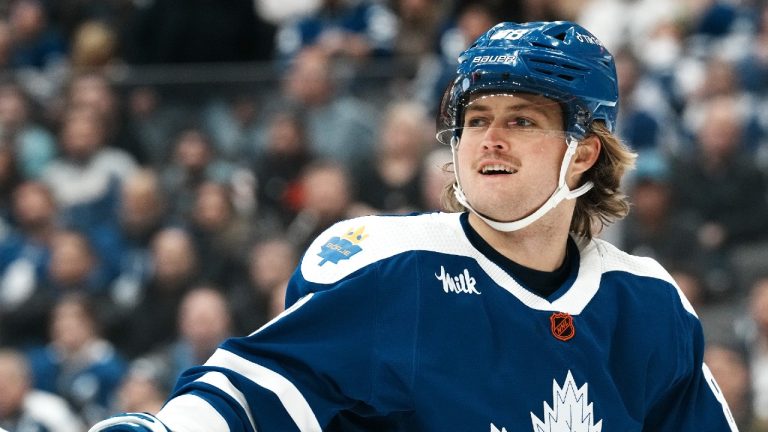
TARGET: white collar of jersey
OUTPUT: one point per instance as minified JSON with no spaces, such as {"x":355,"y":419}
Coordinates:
{"x":443,"y":233}
{"x":389,"y":236}
{"x":560,"y":193}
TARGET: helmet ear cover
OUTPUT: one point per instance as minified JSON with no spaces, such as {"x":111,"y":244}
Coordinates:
{"x":559,"y":60}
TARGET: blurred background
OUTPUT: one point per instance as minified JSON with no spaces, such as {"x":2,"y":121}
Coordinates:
{"x":163,"y":166}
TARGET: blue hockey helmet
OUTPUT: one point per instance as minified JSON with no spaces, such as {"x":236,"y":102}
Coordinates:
{"x":560,"y":60}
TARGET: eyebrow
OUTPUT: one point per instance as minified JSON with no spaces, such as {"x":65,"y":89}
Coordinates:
{"x":523,"y":106}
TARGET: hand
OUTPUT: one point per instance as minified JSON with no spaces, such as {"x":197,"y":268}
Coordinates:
{"x":130,"y":422}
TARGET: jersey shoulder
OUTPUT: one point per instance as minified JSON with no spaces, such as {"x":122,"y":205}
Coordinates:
{"x":354,"y":244}
{"x":616,"y":260}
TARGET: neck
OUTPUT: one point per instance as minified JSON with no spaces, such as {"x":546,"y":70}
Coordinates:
{"x":540,"y":246}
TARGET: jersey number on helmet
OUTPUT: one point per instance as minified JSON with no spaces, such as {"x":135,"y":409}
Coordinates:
{"x":511,"y":34}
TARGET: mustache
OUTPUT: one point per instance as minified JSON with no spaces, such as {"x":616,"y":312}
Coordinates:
{"x":497,"y":157}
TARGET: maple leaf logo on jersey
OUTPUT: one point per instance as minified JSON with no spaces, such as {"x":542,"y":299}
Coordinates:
{"x":570,"y":411}
{"x":342,"y":247}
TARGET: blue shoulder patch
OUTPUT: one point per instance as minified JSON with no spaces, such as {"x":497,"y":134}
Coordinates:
{"x":342,"y":247}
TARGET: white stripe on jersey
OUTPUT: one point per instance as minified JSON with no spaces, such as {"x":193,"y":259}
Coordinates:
{"x":220,"y":381}
{"x":191,"y":413}
{"x":291,"y":398}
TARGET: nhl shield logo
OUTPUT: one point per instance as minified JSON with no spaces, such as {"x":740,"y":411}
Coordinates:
{"x":562,"y":327}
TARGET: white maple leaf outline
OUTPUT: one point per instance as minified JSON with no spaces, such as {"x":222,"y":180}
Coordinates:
{"x":570,"y":411}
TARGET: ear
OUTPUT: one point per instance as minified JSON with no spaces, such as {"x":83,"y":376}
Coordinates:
{"x":585,"y":158}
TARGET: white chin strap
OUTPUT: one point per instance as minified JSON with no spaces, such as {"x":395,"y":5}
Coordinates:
{"x":560,"y":193}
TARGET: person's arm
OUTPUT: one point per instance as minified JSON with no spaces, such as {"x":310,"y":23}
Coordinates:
{"x":320,"y":357}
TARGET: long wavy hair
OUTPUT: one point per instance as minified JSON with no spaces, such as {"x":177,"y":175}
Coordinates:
{"x":605,"y":203}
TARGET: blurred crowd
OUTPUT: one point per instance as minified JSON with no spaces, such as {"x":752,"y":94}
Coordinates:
{"x":164,"y":166}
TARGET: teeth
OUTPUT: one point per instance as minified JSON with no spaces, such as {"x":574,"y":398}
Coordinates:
{"x":497,"y":168}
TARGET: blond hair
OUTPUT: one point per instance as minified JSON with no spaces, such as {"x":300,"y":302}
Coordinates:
{"x":604,"y":204}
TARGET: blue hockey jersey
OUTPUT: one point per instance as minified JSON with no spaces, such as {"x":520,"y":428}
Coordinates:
{"x":401,"y":323}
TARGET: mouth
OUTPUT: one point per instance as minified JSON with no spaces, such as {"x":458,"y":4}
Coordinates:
{"x":496,"y":169}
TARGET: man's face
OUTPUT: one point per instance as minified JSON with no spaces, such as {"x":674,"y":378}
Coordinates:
{"x":510,"y":153}
{"x":82,"y":135}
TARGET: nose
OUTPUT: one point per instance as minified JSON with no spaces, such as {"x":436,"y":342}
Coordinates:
{"x":495,"y":138}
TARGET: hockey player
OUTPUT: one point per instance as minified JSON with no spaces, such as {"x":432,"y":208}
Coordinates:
{"x":506,"y":315}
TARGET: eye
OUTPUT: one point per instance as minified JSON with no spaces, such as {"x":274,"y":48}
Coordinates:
{"x":519,"y":122}
{"x":475,"y":122}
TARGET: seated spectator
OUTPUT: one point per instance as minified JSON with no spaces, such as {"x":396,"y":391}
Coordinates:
{"x":24,"y":255}
{"x":270,"y":264}
{"x":36,"y":42}
{"x":720,"y":82}
{"x":175,"y":266}
{"x":74,"y":267}
{"x":279,"y":167}
{"x":78,"y":363}
{"x":71,"y":268}
{"x":204,"y":321}
{"x":339,"y":126}
{"x":721,"y":190}
{"x":194,"y":162}
{"x":86,"y":175}
{"x":23,"y":408}
{"x":390,"y":181}
{"x":92,"y":89}
{"x":220,"y":234}
{"x":123,"y":241}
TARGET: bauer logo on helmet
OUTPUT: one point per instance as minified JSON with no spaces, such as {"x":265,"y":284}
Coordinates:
{"x":503,"y":59}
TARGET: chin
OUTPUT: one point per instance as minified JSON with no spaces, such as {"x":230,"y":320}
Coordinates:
{"x":499,"y":214}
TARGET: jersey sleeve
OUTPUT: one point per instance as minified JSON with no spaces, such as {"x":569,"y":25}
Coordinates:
{"x":691,"y":399}
{"x":342,"y":346}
